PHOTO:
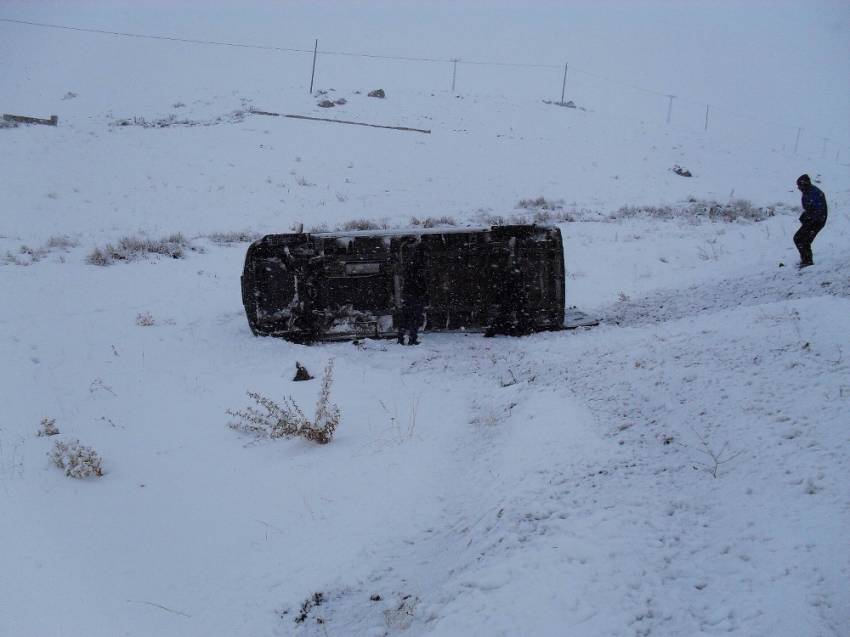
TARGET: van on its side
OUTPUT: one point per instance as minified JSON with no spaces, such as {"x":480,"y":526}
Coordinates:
{"x":348,"y":285}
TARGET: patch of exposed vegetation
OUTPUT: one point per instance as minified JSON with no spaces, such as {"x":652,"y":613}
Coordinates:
{"x":541,"y":203}
{"x":27,"y":255}
{"x":363,"y":224}
{"x":700,"y":210}
{"x":76,"y":460}
{"x":169,"y":121}
{"x":433,"y":222}
{"x":133,"y":248}
{"x":229,"y":238}
{"x":270,"y":419}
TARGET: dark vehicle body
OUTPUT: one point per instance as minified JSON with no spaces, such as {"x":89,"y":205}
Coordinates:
{"x":347,"y":285}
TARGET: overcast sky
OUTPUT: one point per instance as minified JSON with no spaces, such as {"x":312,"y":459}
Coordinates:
{"x":788,"y":61}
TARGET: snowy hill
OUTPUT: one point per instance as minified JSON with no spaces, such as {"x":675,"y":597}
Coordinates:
{"x":681,"y":469}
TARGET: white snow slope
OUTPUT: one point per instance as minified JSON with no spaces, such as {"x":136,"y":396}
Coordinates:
{"x":681,"y":469}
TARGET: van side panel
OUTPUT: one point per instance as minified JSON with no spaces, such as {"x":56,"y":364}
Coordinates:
{"x":338,"y":286}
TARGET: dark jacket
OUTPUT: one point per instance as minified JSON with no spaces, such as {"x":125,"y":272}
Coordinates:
{"x":415,"y":277}
{"x":814,"y":206}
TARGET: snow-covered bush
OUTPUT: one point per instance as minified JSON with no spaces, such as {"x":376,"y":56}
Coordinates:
{"x":540,"y":203}
{"x":327,"y":413}
{"x":99,"y":256}
{"x":61,"y":242}
{"x":433,"y":222}
{"x":276,"y":421}
{"x":363,"y":224}
{"x":229,"y":238}
{"x":538,"y":216}
{"x":145,"y":319}
{"x":234,"y":117}
{"x":383,"y":224}
{"x":272,"y":420}
{"x":27,"y":255}
{"x":78,"y":461}
{"x":700,"y":210}
{"x":132,"y":248}
{"x":48,"y":427}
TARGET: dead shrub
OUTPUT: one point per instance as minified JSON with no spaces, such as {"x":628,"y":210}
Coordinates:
{"x":234,"y":117}
{"x":61,"y":242}
{"x":145,"y":319}
{"x":433,"y":222}
{"x":78,"y":461}
{"x":540,"y":203}
{"x":229,"y":238}
{"x":133,"y":248}
{"x":363,"y":224}
{"x":700,"y":210}
{"x":540,"y":216}
{"x":48,"y":428}
{"x":272,"y":420}
{"x":26,"y":255}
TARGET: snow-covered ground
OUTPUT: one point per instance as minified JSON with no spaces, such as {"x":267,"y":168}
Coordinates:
{"x":681,"y":469}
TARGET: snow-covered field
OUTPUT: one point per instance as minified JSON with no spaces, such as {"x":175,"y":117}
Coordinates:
{"x":681,"y":469}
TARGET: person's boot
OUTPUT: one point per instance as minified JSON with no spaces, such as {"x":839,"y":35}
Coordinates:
{"x":401,"y":339}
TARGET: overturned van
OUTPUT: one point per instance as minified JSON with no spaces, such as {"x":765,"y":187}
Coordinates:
{"x":348,"y":285}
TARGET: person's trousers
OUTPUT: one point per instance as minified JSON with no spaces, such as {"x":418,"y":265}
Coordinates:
{"x":412,"y":314}
{"x":803,"y":240}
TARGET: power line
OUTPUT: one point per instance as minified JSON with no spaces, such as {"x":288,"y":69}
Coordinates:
{"x":516,"y":64}
{"x":326,"y":52}
{"x":436,"y":60}
{"x":158,"y":37}
{"x":262,"y":46}
{"x":385,"y":57}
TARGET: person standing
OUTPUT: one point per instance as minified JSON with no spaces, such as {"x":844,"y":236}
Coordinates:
{"x":414,"y":290}
{"x":813,"y":219}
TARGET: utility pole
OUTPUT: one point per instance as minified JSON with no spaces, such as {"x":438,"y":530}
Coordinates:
{"x":706,"y":116}
{"x":825,"y":140}
{"x":564,"y":85}
{"x":670,"y":108}
{"x":797,"y":141}
{"x":454,"y":72}
{"x":312,"y":77}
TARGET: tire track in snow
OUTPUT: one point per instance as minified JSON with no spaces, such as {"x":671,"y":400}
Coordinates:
{"x":783,"y":284}
{"x":675,"y":558}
